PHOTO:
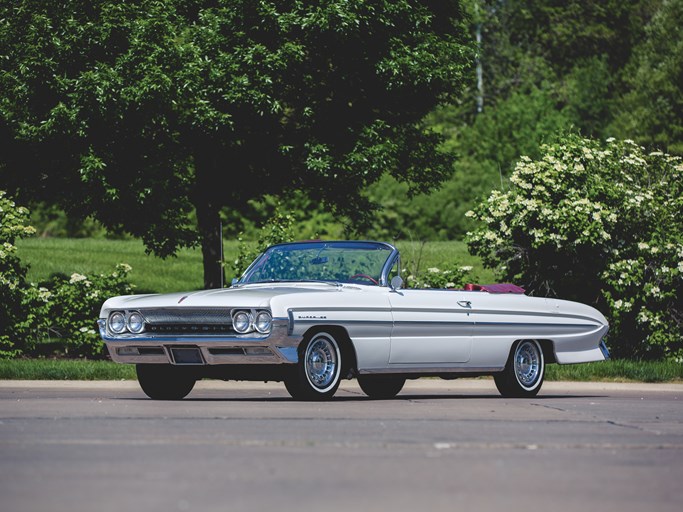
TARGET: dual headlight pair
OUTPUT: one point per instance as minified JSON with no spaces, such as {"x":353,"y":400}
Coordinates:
{"x":120,"y":322}
{"x":244,"y":321}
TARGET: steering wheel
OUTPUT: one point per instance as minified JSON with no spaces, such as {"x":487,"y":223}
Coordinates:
{"x":365,"y":276}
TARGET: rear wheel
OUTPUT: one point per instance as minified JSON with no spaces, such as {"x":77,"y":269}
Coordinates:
{"x":524,"y":372}
{"x":318,"y":373}
{"x":381,"y":387}
{"x":164,"y":381}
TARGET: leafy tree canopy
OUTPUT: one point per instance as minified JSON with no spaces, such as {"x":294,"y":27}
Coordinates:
{"x":651,"y":111}
{"x":139,"y":113}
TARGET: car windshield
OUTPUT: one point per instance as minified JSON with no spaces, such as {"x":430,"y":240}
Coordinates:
{"x":358,"y":262}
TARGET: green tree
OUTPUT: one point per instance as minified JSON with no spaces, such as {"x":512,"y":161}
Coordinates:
{"x":573,"y":51}
{"x":537,"y":43}
{"x":487,"y":150}
{"x":651,"y":111}
{"x":141,"y":113}
{"x":549,"y":68}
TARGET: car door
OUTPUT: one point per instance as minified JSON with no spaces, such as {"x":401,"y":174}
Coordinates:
{"x":430,"y":327}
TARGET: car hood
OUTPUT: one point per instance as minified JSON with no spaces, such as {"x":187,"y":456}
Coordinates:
{"x":249,"y":296}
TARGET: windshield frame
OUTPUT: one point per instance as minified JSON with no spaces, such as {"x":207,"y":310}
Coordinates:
{"x":393,"y":258}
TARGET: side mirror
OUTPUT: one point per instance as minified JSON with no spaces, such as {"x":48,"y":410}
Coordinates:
{"x":396,"y":283}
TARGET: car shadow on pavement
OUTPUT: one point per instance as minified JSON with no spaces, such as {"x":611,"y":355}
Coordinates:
{"x":361,"y":398}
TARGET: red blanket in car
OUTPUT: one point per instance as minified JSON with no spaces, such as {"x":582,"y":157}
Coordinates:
{"x":495,"y":288}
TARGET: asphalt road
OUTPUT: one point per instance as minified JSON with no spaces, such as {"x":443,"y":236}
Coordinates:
{"x":441,"y":445}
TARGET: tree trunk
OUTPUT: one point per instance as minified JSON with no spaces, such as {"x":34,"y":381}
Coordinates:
{"x":207,"y":203}
{"x":208,"y":221}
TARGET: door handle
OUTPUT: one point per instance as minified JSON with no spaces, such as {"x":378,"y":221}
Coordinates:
{"x":464,"y":303}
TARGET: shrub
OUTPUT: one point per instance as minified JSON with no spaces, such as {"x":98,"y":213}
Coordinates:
{"x":598,"y":223}
{"x":63,"y":311}
{"x":13,"y":225}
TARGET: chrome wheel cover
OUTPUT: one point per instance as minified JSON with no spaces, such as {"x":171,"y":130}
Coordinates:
{"x":321,"y":362}
{"x":528,"y":364}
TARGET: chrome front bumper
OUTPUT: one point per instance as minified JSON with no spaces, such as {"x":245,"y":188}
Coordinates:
{"x":279,"y":347}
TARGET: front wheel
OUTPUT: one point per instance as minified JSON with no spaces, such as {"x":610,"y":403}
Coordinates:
{"x":380,"y":387}
{"x":318,"y":373}
{"x":164,"y":381}
{"x":524,"y":371}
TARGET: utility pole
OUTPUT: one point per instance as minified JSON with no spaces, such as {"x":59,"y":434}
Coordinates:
{"x":480,"y":72}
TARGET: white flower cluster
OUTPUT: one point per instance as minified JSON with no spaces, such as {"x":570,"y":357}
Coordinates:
{"x":10,"y":283}
{"x":124,"y":267}
{"x":75,"y":278}
{"x":7,"y":249}
{"x":44,"y":294}
{"x":622,"y":305}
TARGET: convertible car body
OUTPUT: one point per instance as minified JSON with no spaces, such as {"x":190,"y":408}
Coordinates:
{"x":312,"y":313}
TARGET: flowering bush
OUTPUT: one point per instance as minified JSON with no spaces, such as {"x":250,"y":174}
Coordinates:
{"x":13,"y":225}
{"x":64,"y":310}
{"x":598,"y":223}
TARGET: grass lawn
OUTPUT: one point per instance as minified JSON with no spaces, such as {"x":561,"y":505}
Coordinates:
{"x":618,"y":370}
{"x":607,"y":371}
{"x":418,"y":256}
{"x":64,"y":369}
{"x":46,"y":256}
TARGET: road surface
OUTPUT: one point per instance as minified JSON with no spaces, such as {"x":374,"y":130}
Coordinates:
{"x":439,"y":446}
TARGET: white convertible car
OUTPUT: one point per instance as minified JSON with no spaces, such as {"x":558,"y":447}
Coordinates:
{"x":312,"y":313}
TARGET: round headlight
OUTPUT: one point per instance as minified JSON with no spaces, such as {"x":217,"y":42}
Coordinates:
{"x":241,"y":322}
{"x":263,"y":322}
{"x":136,"y":323}
{"x":117,"y":322}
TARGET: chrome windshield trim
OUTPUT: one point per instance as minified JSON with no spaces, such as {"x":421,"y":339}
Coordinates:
{"x":384,"y":272}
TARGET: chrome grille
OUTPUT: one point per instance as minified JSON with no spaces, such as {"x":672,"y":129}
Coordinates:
{"x":196,"y":316}
{"x":188,"y":321}
{"x":189,"y":329}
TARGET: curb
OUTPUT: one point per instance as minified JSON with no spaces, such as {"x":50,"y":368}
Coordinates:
{"x":416,"y":385}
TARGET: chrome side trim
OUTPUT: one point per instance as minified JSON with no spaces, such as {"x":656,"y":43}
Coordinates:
{"x":540,"y":324}
{"x":343,"y":322}
{"x":434,"y":369}
{"x":478,"y":311}
{"x":340,"y":308}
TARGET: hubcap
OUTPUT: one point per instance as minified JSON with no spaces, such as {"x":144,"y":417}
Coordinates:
{"x":321,"y":363}
{"x":527,"y":364}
